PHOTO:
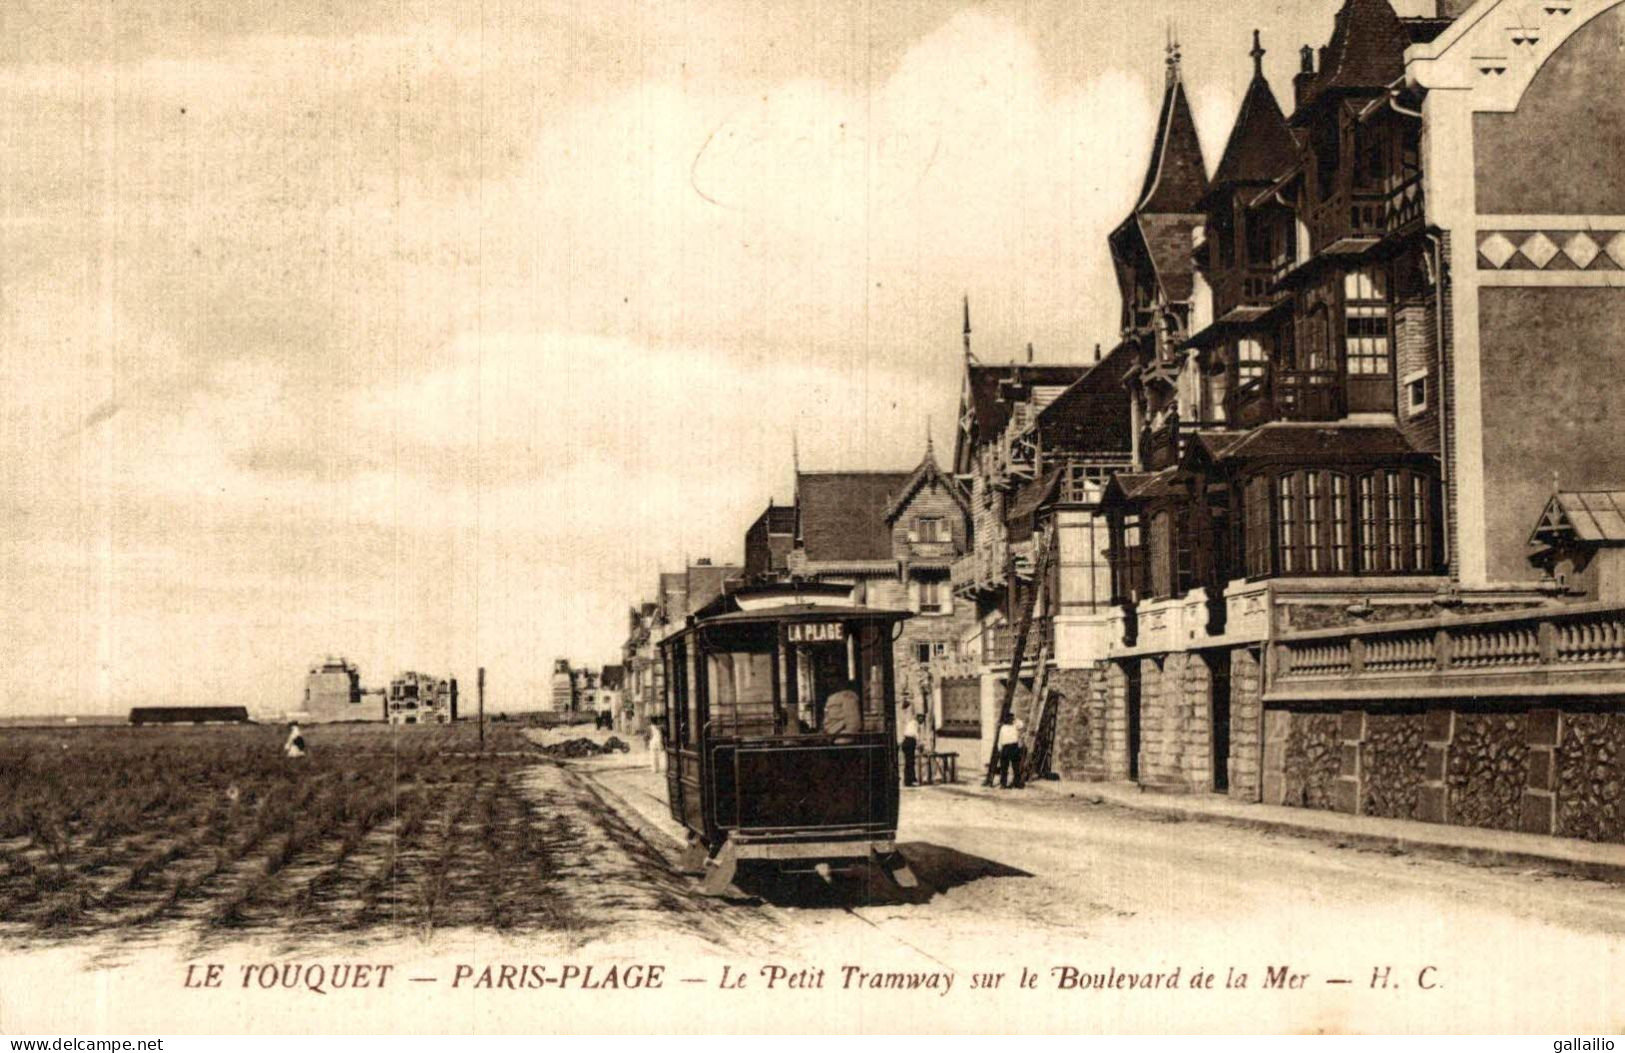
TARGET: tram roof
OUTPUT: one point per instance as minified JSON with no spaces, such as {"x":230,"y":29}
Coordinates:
{"x":799,"y":612}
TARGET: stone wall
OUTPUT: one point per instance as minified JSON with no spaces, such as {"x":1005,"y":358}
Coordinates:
{"x":1392,"y":765}
{"x":1590,"y":776}
{"x":1312,"y":760}
{"x":1077,"y":739}
{"x":1487,"y":770}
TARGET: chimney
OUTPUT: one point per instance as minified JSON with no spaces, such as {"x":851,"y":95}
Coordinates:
{"x":1305,"y":76}
{"x":1097,"y":351}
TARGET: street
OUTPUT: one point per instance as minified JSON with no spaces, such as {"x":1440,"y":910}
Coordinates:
{"x":1044,"y":879}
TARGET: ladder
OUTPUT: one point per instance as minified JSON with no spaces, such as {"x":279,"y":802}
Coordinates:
{"x":1040,"y":573}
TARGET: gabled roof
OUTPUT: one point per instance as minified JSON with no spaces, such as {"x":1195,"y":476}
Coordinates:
{"x":842,"y":515}
{"x":1019,"y":517}
{"x":780,"y":519}
{"x":991,"y":412}
{"x":927,"y":472}
{"x":1175,"y":177}
{"x":1091,"y":416}
{"x":1596,"y":516}
{"x":1366,"y":52}
{"x":1261,"y":146}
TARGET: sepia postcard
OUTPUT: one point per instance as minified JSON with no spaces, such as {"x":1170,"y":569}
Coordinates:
{"x":1024,"y":516}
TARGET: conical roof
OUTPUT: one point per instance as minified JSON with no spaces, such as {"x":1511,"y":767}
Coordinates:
{"x":1366,"y":51}
{"x":1175,"y":178}
{"x":1261,"y":146}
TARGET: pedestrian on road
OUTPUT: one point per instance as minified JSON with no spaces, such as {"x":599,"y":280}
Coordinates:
{"x":295,"y":746}
{"x":1009,"y":746}
{"x":911,"y":740}
{"x":657,"y":749}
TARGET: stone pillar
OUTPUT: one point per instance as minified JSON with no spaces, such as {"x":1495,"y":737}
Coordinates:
{"x":1155,"y":680}
{"x":1349,"y":795}
{"x":1543,"y":730}
{"x":1195,"y":741}
{"x":1272,"y":777}
{"x":1116,"y":737}
{"x":1246,"y":726}
{"x":1438,"y":732}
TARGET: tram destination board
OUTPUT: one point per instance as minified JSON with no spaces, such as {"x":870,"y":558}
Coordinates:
{"x":816,"y":632}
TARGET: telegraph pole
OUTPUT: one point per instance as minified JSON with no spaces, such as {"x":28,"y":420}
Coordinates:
{"x":480,"y":688}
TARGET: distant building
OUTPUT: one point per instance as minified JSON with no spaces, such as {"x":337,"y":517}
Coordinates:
{"x":189,"y":715}
{"x":564,"y":687}
{"x":416,"y":698}
{"x":333,"y":692}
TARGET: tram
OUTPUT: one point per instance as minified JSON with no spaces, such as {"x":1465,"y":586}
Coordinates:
{"x":780,"y":731}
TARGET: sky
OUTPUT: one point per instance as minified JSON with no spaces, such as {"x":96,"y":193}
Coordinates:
{"x":428,"y":333}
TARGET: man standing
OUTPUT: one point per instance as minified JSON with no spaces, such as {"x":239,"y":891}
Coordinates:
{"x":911,"y":740}
{"x":1009,"y":744}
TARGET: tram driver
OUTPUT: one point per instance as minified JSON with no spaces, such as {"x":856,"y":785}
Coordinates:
{"x":841,"y":713}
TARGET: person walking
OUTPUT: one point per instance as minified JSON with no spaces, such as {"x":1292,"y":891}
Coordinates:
{"x":911,"y":741}
{"x":1009,"y":745}
{"x":657,"y":749}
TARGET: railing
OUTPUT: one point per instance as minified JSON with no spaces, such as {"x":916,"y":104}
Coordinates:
{"x":999,"y":643}
{"x":1349,"y":214}
{"x":1404,"y":205}
{"x":1306,"y":396}
{"x":1239,"y":286}
{"x":1164,"y":445}
{"x":1576,"y":649}
{"x":931,"y":549}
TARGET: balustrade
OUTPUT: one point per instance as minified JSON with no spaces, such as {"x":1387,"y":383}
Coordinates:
{"x":1543,"y":642}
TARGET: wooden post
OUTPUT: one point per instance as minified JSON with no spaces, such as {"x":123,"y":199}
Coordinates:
{"x":480,"y":687}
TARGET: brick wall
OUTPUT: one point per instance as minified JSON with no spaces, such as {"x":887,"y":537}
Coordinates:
{"x":1415,"y":351}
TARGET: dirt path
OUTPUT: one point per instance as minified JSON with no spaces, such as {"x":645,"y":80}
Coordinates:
{"x":615,"y":876}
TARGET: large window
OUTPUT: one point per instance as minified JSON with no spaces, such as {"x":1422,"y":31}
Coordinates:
{"x":1256,"y":499}
{"x":1326,"y":522}
{"x":1365,"y":299}
{"x":1396,"y":522}
{"x":931,"y":529}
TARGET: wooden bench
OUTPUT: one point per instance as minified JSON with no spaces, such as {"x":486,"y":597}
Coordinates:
{"x":932,"y":768}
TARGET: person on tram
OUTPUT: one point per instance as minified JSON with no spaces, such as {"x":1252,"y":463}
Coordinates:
{"x":842,"y":716}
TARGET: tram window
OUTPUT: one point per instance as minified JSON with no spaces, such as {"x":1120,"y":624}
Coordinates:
{"x":739,"y":670}
{"x":691,"y":701}
{"x":825,"y":668}
{"x":871,"y":657}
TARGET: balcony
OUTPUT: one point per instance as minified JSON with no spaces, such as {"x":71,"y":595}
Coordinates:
{"x":1404,"y":205}
{"x":1307,"y":395}
{"x":999,"y":642}
{"x":1538,"y":652}
{"x":1348,"y":214}
{"x":931,"y":551}
{"x":982,"y":570}
{"x":1289,"y":395}
{"x":1243,"y":287}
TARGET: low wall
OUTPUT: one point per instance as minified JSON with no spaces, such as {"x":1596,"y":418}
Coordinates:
{"x":1536,"y":767}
